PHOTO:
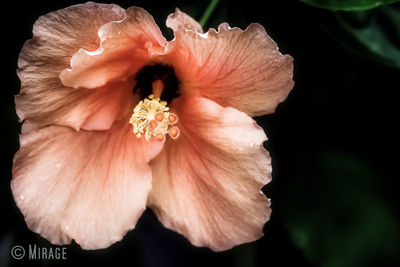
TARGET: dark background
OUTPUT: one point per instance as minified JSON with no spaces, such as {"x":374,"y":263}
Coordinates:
{"x":333,"y":142}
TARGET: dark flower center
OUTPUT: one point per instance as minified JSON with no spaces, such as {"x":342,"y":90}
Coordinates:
{"x":150,"y":73}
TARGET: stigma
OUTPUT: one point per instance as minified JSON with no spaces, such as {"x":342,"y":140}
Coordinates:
{"x":151,"y":117}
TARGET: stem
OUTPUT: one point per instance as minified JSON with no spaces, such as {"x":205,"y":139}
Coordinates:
{"x":208,"y":12}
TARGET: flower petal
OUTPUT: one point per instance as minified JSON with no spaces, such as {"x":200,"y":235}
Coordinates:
{"x":80,"y":109}
{"x":207,"y":183}
{"x":109,"y":103}
{"x":126,"y":46}
{"x":88,"y":186}
{"x":241,"y":69}
{"x":181,"y":21}
{"x":43,"y":99}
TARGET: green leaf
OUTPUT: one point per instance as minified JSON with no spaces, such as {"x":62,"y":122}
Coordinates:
{"x":245,"y":255}
{"x":337,"y":215}
{"x":207,"y":13}
{"x":348,"y":5}
{"x":374,"y":34}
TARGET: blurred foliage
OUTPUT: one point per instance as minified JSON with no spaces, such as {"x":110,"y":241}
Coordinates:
{"x":245,"y":255}
{"x":373,"y":33}
{"x":338,"y":216}
{"x":207,"y":13}
{"x":348,"y":5}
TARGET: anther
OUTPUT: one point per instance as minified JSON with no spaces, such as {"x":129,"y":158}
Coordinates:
{"x":151,"y":118}
{"x":143,"y":117}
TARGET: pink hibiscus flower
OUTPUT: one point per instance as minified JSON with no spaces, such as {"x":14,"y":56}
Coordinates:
{"x":116,"y":118}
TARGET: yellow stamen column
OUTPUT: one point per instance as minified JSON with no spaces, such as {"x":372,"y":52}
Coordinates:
{"x":151,"y":117}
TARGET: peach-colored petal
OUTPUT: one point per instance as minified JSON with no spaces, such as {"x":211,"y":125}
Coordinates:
{"x":90,"y":186}
{"x":80,"y":109}
{"x":126,"y":46}
{"x":181,"y":21}
{"x":242,"y":69}
{"x":109,"y":103}
{"x":43,"y":99}
{"x":207,"y":183}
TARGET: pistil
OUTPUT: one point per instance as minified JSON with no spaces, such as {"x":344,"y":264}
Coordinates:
{"x":151,"y":117}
